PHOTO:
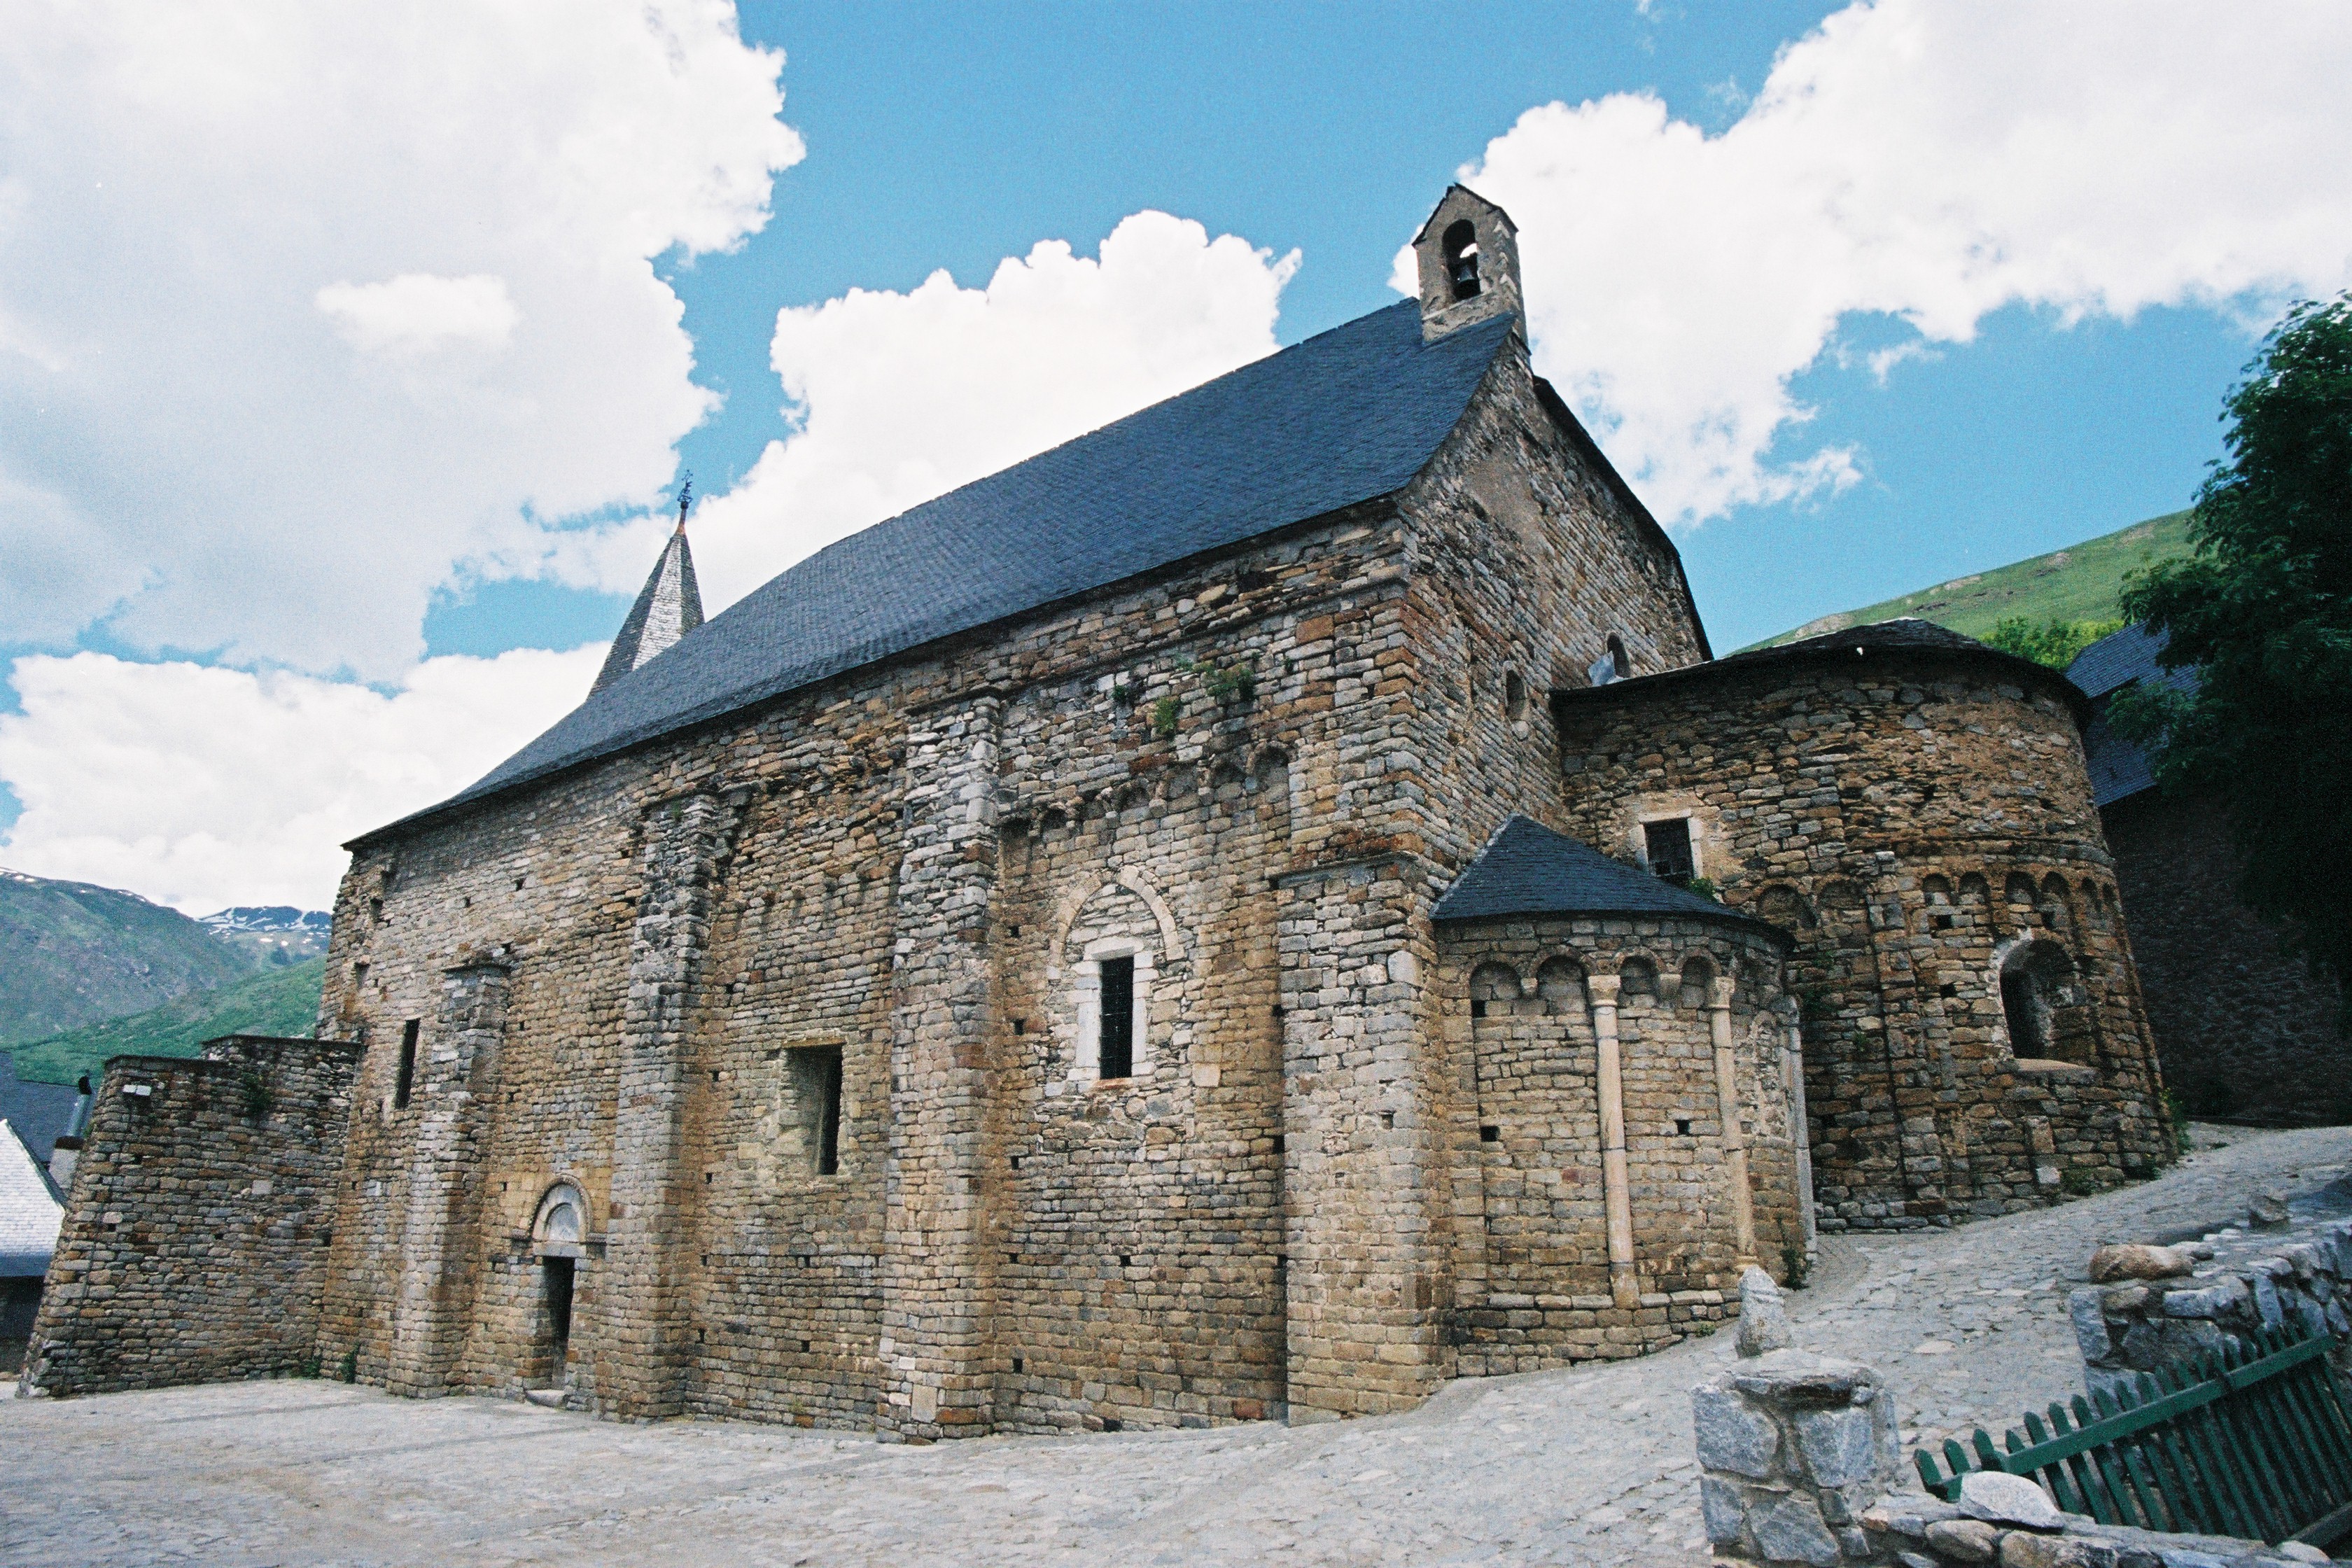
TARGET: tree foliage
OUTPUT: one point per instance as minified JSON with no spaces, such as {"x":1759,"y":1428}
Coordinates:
{"x":2054,"y":642}
{"x":2263,"y":611}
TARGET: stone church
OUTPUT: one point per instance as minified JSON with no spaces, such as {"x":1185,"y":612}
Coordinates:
{"x":1250,"y":913}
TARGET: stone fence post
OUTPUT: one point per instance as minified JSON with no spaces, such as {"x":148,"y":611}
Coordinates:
{"x":1793,"y":1447}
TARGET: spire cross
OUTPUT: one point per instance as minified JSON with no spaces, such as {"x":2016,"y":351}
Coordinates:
{"x":685,"y":499}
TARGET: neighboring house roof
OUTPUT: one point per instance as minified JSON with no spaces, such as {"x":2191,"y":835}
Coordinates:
{"x":1346,"y":416}
{"x":38,"y":1111}
{"x":2120,"y":769}
{"x":668,"y":606}
{"x":1527,"y":868}
{"x":29,"y":1210}
{"x":1854,"y":645}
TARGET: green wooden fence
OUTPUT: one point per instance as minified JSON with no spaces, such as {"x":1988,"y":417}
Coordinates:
{"x":2253,"y":1442}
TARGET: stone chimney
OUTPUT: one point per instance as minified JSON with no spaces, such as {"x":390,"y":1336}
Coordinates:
{"x":1469,"y":257}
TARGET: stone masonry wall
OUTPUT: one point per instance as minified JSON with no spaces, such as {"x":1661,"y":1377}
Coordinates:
{"x":1532,"y":1278}
{"x":193,"y":1248}
{"x":2243,"y":1030}
{"x":2134,"y":1326}
{"x":1915,"y":820}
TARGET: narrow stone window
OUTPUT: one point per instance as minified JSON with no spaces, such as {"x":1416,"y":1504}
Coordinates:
{"x":405,"y":1080}
{"x":1514,"y":696}
{"x":1618,"y":663}
{"x":1461,"y":249}
{"x":1668,"y":847}
{"x":1117,"y":1055}
{"x":816,"y":1089}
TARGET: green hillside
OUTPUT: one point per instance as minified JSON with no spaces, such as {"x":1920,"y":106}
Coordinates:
{"x":2075,"y":584}
{"x":276,"y":1002}
{"x":71,"y":954}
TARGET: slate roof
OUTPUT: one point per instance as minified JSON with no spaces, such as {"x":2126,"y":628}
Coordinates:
{"x":1344,"y":417}
{"x":2118,"y":768}
{"x":38,"y":1111}
{"x":668,"y":606}
{"x":1527,"y":868}
{"x":29,"y":1210}
{"x":1856,"y":646}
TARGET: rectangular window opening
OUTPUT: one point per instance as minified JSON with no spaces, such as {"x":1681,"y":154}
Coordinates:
{"x":405,"y":1080}
{"x":1667,"y":845}
{"x":816,"y":1085}
{"x":1117,"y":1058}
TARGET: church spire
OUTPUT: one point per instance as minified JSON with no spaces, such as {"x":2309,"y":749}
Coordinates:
{"x":668,"y":607}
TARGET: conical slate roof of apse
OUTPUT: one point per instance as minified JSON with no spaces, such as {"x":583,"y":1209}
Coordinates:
{"x":1527,"y":868}
{"x":1344,"y":417}
{"x":668,"y":606}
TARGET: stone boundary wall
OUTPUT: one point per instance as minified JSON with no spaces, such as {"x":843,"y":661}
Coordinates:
{"x":194,"y":1242}
{"x":2138,"y":1325}
{"x":1917,"y":1531}
{"x":1800,"y":1461}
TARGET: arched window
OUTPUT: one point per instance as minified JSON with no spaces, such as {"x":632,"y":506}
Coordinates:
{"x":2042,"y":1003}
{"x":1514,"y":695}
{"x":1460,"y":251}
{"x":1113,"y":954}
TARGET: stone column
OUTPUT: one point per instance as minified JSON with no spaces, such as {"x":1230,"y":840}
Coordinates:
{"x":1734,"y":1136}
{"x":630,"y":1357}
{"x":1801,"y":1131}
{"x":936,"y":1282}
{"x":458,"y":1063}
{"x":1615,"y":1186}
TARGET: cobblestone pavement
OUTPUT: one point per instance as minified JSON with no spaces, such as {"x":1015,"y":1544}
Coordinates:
{"x":1588,"y":1465}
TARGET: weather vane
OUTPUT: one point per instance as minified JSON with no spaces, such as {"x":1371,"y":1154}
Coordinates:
{"x":685,"y":499}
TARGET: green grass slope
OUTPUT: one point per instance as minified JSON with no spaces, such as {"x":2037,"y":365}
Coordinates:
{"x":71,"y":954}
{"x":2079,"y":583}
{"x":275,"y":1002}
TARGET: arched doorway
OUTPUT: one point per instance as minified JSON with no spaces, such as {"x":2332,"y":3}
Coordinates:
{"x":556,"y":1233}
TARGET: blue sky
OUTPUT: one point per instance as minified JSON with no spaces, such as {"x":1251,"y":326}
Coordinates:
{"x":347,"y":358}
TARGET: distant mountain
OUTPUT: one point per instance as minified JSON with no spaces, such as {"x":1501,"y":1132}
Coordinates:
{"x":72,"y":953}
{"x":272,"y":934}
{"x":2078,"y":583}
{"x":277,"y":1002}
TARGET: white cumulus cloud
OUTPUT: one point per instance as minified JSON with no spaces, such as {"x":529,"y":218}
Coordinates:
{"x":416,"y":313}
{"x":305,"y":309}
{"x":1932,"y":162}
{"x":201,"y":787}
{"x":901,"y":397}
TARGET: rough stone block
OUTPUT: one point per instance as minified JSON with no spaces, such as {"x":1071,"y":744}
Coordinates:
{"x":1732,"y":1434}
{"x":1788,"y":1527}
